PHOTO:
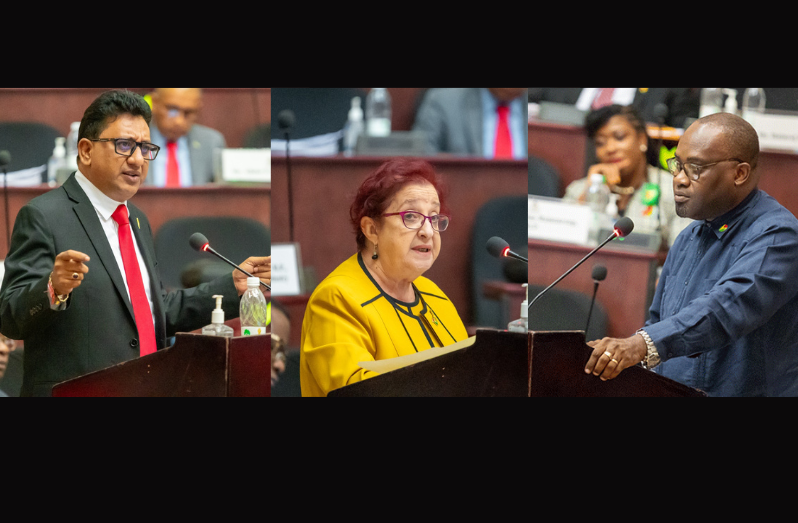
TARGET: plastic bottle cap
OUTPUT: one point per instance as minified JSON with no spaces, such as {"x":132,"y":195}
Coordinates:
{"x":355,"y":113}
{"x":253,"y":282}
{"x":524,"y":310}
{"x":596,"y":178}
{"x":217,"y":316}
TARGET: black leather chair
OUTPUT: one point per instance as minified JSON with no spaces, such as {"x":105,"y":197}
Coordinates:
{"x":30,"y":144}
{"x":505,"y":217}
{"x":544,"y":180}
{"x":233,"y":237}
{"x":564,"y":309}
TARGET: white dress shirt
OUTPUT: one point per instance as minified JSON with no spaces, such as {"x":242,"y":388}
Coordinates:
{"x":105,"y":207}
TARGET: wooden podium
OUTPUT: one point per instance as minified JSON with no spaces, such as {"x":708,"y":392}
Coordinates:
{"x":509,"y":364}
{"x":195,"y":366}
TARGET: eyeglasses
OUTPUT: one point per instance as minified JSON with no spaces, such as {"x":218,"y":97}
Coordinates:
{"x":126,"y":147}
{"x":692,"y":170}
{"x":415,"y":220}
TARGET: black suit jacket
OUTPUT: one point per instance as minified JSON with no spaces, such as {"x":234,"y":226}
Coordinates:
{"x":97,"y":329}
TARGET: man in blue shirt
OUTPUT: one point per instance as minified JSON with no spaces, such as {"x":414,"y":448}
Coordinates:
{"x":724,"y":315}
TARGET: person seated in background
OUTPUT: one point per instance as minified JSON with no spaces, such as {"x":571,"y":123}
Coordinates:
{"x":377,"y":305}
{"x":187,"y":146}
{"x":641,"y":191}
{"x":490,"y":122}
{"x":682,"y":103}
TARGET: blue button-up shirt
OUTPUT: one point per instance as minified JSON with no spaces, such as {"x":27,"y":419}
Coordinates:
{"x":725,"y":313}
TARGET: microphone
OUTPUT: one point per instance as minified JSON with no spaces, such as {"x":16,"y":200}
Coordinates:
{"x":599,"y":273}
{"x":200,"y":243}
{"x":285,"y":122}
{"x":5,"y":160}
{"x":501,"y":249}
{"x":622,"y":228}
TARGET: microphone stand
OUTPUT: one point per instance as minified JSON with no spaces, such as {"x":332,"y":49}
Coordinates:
{"x":283,"y":122}
{"x":210,"y":250}
{"x":591,"y":253}
{"x":590,"y":311}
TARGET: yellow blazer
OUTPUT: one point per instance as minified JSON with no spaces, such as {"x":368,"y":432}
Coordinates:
{"x":350,"y":319}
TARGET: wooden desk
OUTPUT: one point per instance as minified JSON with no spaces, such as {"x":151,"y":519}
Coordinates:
{"x":323,"y":189}
{"x":625,"y":293}
{"x":161,"y":205}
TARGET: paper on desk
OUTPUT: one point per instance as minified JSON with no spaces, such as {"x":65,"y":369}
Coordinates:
{"x":383,"y":366}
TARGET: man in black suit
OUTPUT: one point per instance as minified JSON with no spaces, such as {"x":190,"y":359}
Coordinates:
{"x":66,"y":285}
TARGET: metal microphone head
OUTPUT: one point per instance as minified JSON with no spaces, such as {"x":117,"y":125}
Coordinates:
{"x":5,"y":158}
{"x":285,"y":120}
{"x":624,"y":226}
{"x":497,"y":247}
{"x":599,"y":272}
{"x":199,"y":242}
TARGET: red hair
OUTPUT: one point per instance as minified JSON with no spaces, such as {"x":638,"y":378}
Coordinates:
{"x":378,"y":188}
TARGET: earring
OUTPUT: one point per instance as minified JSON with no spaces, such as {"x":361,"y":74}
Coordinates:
{"x":374,"y":256}
{"x":643,"y":148}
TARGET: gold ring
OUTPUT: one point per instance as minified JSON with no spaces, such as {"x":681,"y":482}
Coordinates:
{"x":616,"y":361}
{"x":74,"y":276}
{"x":608,"y":354}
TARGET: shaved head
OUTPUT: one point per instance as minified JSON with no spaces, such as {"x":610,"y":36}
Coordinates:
{"x":738,"y":136}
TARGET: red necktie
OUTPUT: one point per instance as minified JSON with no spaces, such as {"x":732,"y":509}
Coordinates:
{"x":138,"y":298}
{"x":604,"y":98}
{"x":172,"y":169}
{"x":503,"y":146}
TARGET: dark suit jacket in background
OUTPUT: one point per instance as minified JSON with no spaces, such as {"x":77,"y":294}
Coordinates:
{"x":97,"y":329}
{"x":451,"y":118}
{"x":202,"y":142}
{"x":682,"y":102}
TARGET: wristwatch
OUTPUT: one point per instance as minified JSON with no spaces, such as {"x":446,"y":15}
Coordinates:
{"x":652,"y":356}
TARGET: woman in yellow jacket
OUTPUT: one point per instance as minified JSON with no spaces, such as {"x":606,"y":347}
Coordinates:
{"x":376,"y":304}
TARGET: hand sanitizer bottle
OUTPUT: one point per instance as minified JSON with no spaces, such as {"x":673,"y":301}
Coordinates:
{"x":522,"y":323}
{"x":217,"y":326}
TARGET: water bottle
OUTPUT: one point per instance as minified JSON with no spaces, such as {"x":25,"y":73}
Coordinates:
{"x":598,"y":198}
{"x":252,"y":310}
{"x":711,"y":101}
{"x":57,"y":161}
{"x":378,"y":112}
{"x":522,"y":323}
{"x":72,"y":147}
{"x":731,"y":101}
{"x":217,"y":326}
{"x":753,"y":103}
{"x":354,"y":127}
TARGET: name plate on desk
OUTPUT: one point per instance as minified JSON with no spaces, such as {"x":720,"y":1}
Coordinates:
{"x":555,"y":220}
{"x":286,"y":269}
{"x":777,"y":131}
{"x":244,"y":165}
